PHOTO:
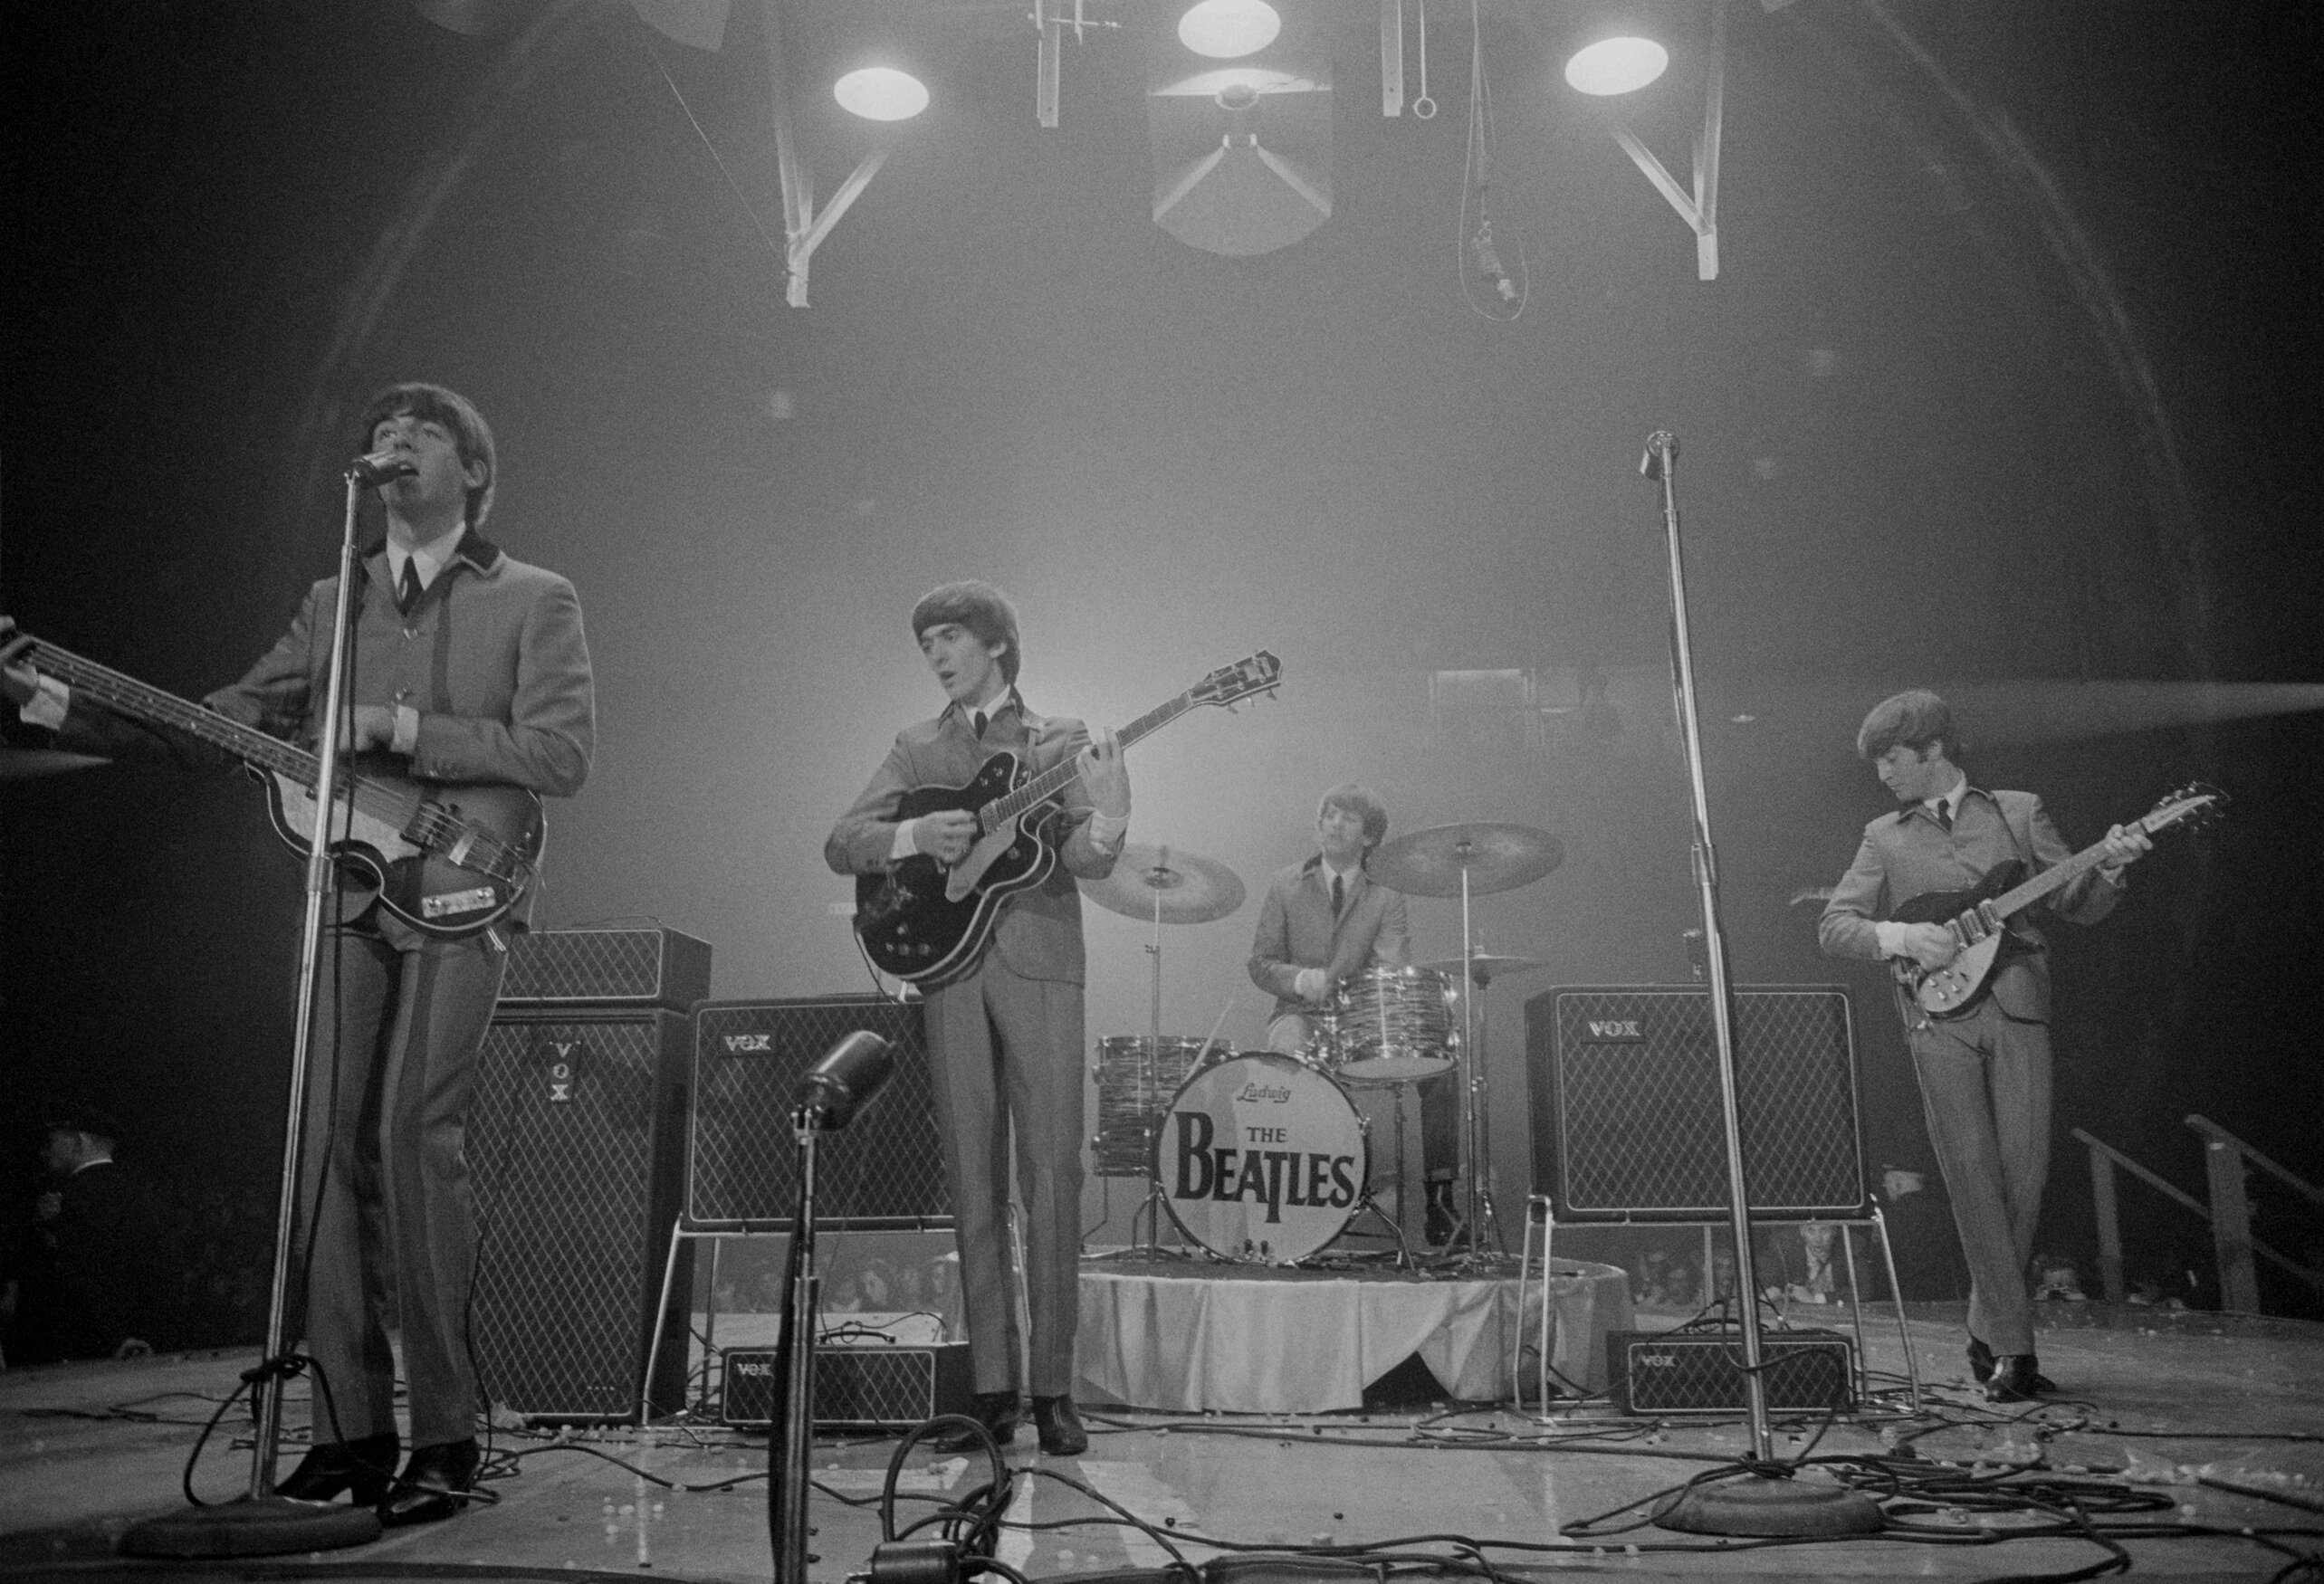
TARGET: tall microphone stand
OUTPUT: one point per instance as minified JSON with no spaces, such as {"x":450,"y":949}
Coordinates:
{"x":1762,"y":1502}
{"x":261,"y":1524}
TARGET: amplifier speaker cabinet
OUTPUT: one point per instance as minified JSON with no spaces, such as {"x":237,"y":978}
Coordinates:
{"x":1689,"y":1373}
{"x":606,"y":968}
{"x":886,"y":1172}
{"x":854,"y":1385}
{"x":1626,"y":1116}
{"x":576,"y":1141}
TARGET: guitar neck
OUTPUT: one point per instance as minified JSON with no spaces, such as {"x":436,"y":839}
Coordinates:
{"x":2021,"y":897}
{"x":127,"y":696}
{"x":1053,"y":780}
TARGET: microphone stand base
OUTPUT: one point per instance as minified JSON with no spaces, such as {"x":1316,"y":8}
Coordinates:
{"x":272,"y":1526}
{"x":1761,"y":1507}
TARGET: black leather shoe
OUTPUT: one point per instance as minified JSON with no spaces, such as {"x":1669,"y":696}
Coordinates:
{"x":2014,"y":1380}
{"x":996,"y":1411}
{"x":433,"y":1484}
{"x":362,"y":1469}
{"x":1060,"y":1427}
{"x":1981,"y":1360}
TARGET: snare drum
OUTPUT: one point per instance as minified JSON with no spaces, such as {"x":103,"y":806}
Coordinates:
{"x":1261,"y":1158}
{"x":1131,"y":1094}
{"x":1395,"y":1025}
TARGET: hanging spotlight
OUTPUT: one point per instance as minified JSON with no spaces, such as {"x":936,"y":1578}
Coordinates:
{"x":881,"y":93}
{"x":1616,"y":65}
{"x":1224,"y":29}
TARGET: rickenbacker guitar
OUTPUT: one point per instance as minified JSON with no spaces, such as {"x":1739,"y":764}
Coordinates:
{"x":448,"y":861}
{"x":921,"y":922}
{"x":1977,"y":917}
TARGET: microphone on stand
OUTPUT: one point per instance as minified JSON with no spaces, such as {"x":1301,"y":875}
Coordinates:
{"x":1661,"y":446}
{"x":380,"y":466}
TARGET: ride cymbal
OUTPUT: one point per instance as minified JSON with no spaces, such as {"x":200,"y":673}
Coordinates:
{"x":1494,"y":857}
{"x":1189,"y":888}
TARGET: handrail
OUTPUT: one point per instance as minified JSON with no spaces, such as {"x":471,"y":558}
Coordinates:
{"x":2101,"y":1147}
{"x":2217,"y":1134}
{"x":2229,"y":1215}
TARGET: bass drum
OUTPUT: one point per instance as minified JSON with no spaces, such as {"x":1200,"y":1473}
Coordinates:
{"x":1262,"y":1157}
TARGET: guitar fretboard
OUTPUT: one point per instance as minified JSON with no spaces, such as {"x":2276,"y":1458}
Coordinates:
{"x":2019,"y":897}
{"x":420,"y":820}
{"x":1053,"y":780}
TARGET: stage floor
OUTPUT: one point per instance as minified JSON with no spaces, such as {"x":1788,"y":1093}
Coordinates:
{"x":2170,"y":1406}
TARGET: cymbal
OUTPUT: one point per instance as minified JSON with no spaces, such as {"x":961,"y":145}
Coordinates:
{"x":1496,"y":857}
{"x":1192,"y":889}
{"x":1485,"y":967}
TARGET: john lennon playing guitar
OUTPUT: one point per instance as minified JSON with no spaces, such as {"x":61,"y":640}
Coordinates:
{"x":923,"y":922}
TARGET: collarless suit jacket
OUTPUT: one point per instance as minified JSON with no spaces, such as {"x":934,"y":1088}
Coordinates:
{"x":1296,"y":929}
{"x":1038,"y":932}
{"x":1907,"y":854}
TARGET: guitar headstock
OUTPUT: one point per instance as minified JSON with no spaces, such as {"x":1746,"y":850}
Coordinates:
{"x":1247,"y":678}
{"x":2193,"y":805}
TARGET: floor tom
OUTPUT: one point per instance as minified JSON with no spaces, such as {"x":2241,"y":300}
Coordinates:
{"x":1136,"y":1078}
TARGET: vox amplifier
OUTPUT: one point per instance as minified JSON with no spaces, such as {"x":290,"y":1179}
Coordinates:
{"x":1701,"y":1372}
{"x":854,"y":1384}
{"x":606,"y":968}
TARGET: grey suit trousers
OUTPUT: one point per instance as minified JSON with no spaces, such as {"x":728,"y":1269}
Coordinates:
{"x":1007,"y":1048}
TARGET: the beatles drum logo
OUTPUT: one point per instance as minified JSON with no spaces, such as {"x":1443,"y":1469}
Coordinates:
{"x":1260,"y":1158}
{"x":1262,"y":1167}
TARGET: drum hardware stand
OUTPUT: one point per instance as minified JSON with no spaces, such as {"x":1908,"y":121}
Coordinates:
{"x":1475,"y":1219}
{"x":1756,"y":1503}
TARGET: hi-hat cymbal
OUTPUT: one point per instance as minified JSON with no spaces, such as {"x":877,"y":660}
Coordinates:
{"x":1485,"y":967}
{"x":1189,"y":889}
{"x":1494,"y":857}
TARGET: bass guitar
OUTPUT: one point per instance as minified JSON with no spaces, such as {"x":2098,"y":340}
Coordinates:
{"x":923,"y":922}
{"x":1977,"y":917}
{"x":448,"y":861}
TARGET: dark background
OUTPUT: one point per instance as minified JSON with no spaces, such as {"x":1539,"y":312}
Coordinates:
{"x":2008,"y":377}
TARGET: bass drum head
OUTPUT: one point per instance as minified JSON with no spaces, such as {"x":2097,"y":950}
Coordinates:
{"x":1262,"y":1158}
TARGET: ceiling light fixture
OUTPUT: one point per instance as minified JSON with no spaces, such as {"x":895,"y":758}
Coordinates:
{"x":881,"y":93}
{"x":1616,"y":65}
{"x":1226,"y":29}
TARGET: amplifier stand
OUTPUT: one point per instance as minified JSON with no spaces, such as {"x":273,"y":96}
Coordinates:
{"x":1540,"y":1212}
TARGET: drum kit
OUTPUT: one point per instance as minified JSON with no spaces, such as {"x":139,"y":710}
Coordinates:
{"x":1261,"y":1156}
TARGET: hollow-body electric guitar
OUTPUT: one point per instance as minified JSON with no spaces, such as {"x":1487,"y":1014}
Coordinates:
{"x":1977,"y":917}
{"x":448,"y":861}
{"x":923,"y":922}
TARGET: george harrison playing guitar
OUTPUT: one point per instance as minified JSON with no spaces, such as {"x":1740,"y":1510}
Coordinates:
{"x":928,"y":924}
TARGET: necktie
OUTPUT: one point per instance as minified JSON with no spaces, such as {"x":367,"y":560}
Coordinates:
{"x":1339,"y":892}
{"x":979,"y":723}
{"x":1945,"y":815}
{"x":408,"y":594}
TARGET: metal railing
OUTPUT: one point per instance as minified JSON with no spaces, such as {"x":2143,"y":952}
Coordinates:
{"x":2226,"y":1159}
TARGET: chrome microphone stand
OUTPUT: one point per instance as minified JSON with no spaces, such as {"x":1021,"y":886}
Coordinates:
{"x":1757,"y":1503}
{"x":261,"y":1524}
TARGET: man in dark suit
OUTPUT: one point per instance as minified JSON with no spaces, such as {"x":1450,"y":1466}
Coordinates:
{"x":469,"y":668}
{"x":1325,"y":920}
{"x":1005,"y":1040}
{"x":86,"y":1282}
{"x":1984,"y":1073}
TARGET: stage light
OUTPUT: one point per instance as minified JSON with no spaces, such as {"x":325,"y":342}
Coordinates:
{"x":881,"y":93}
{"x":1225,"y":29}
{"x":1616,"y":65}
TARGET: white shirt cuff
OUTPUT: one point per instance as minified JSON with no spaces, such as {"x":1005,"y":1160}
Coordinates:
{"x":407,"y":737}
{"x":1107,"y":830}
{"x":51,"y":702}
{"x":1891,"y":932}
{"x":906,"y":842}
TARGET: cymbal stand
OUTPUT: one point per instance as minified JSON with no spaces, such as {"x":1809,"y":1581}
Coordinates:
{"x":1149,"y":1091}
{"x":1477,"y":1217}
